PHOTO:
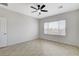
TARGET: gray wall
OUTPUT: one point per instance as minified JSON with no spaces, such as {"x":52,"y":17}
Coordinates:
{"x":20,"y":27}
{"x":72,"y":28}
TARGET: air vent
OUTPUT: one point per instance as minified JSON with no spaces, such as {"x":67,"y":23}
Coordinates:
{"x":5,"y":4}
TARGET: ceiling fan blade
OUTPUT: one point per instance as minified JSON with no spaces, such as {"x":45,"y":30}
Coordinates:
{"x":42,"y":6}
{"x":5,"y":4}
{"x":38,"y":7}
{"x":33,"y":7}
{"x":44,"y":10}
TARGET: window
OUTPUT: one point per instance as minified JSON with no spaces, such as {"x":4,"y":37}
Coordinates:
{"x":55,"y":28}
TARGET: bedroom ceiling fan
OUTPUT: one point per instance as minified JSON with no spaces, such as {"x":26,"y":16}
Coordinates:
{"x":39,"y":9}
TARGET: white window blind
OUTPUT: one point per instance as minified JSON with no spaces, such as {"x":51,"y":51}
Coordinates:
{"x":55,"y":28}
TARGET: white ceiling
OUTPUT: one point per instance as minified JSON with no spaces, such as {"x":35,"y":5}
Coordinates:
{"x":52,"y":8}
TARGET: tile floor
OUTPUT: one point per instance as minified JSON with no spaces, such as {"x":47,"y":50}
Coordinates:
{"x":39,"y":47}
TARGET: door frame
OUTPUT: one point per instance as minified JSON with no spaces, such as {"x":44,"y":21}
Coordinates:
{"x":6,"y":31}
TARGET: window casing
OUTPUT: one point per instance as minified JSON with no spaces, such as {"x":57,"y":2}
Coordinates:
{"x":55,"y":27}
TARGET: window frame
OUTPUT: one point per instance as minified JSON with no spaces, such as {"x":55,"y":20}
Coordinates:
{"x":58,"y":26}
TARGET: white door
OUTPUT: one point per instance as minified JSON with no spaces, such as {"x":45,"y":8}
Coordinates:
{"x":3,"y":32}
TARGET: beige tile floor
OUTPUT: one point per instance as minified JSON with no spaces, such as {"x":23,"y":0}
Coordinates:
{"x":39,"y":47}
